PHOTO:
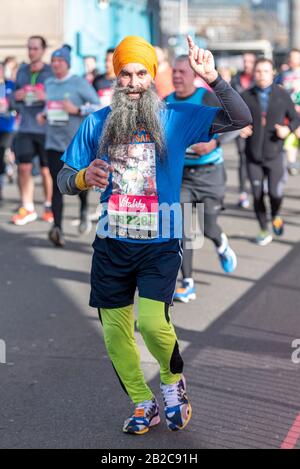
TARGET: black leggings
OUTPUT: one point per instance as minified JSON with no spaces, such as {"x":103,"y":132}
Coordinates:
{"x":243,"y":176}
{"x":2,"y":163}
{"x":5,"y":143}
{"x":55,"y":165}
{"x":275,"y":174}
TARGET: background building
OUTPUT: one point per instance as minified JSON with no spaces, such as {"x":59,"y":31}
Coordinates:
{"x":89,"y":26}
{"x":229,"y":20}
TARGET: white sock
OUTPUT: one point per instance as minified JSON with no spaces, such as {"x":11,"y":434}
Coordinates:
{"x":189,"y":281}
{"x":29,"y":207}
{"x":47,"y":204}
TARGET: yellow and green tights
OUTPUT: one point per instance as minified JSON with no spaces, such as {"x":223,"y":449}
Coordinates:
{"x":159,"y":336}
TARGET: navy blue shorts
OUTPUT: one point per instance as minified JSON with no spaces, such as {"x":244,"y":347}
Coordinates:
{"x":119,"y":268}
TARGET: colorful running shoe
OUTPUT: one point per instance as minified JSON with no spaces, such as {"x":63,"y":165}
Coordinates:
{"x":178,"y":410}
{"x":48,"y":215}
{"x":185,"y":293}
{"x":24,"y":216}
{"x":263,"y":238}
{"x":146,"y":415}
{"x":278,"y":226}
{"x":227,"y":256}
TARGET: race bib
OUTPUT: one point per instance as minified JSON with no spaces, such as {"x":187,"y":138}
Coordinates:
{"x":31,"y":97}
{"x":133,"y":205}
{"x":56,"y":115}
{"x":133,"y":216}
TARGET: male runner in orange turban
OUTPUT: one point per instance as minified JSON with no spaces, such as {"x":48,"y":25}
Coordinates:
{"x":135,"y":49}
{"x":142,"y":142}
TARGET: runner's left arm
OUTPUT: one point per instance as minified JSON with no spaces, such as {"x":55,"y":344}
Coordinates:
{"x":234,"y":114}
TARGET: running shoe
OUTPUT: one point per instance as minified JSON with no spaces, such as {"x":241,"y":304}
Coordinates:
{"x":48,"y":215}
{"x":263,"y":238}
{"x":24,"y":216}
{"x":146,"y":415}
{"x":178,"y":409}
{"x":56,"y":237}
{"x":227,"y":256}
{"x":278,"y":226}
{"x":185,"y":293}
{"x":243,"y":200}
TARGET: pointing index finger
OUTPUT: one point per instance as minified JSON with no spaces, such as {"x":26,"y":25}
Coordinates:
{"x":190,"y":42}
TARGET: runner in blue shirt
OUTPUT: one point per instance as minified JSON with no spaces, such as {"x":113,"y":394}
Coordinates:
{"x":134,"y":152}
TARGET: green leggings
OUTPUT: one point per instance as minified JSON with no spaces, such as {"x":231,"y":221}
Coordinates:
{"x":159,"y":336}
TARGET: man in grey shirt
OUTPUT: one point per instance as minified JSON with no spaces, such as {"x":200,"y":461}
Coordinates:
{"x":67,"y":97}
{"x":29,"y":100}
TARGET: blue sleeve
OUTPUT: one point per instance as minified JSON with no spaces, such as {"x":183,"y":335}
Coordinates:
{"x":197,"y":123}
{"x":83,"y":147}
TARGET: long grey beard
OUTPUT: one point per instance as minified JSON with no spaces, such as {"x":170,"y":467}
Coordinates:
{"x":128,"y":116}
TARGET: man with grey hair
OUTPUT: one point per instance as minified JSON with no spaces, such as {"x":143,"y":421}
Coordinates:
{"x":134,"y":152}
{"x":203,"y":182}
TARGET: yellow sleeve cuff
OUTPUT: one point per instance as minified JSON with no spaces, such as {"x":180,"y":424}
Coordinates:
{"x":80,"y":180}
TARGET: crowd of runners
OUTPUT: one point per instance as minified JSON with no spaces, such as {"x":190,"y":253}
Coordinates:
{"x":148,"y":137}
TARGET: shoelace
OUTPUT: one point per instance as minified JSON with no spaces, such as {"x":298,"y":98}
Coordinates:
{"x":172,"y":394}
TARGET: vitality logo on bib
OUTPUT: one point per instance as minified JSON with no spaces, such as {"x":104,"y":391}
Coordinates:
{"x":133,"y":216}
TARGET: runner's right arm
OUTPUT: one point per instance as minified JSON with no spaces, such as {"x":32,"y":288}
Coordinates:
{"x":79,"y":155}
{"x":72,"y":182}
{"x":66,"y":180}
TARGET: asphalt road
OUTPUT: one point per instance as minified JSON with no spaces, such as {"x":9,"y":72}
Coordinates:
{"x":57,"y":387}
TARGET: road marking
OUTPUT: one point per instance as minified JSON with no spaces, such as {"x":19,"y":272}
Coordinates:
{"x":293,"y":435}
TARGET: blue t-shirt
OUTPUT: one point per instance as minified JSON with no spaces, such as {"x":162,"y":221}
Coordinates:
{"x":7,"y":120}
{"x":191,"y":159}
{"x":142,"y":200}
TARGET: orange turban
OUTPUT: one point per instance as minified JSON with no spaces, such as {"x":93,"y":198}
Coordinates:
{"x":135,"y":49}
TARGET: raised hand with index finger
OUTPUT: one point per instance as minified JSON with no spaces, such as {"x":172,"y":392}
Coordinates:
{"x":202,"y":62}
